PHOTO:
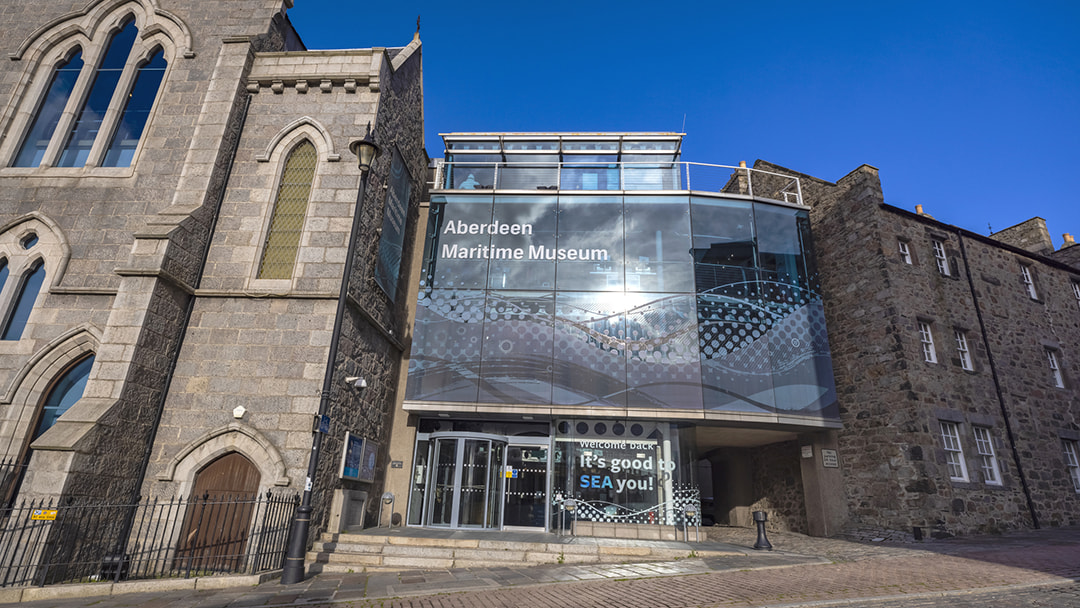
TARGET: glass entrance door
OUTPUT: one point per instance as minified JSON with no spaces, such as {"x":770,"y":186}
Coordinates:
{"x":466,"y":482}
{"x":526,"y":486}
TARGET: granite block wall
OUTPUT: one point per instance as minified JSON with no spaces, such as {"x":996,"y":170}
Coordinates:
{"x":893,"y":400}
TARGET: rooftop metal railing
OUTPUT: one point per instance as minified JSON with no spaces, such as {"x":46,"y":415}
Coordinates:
{"x":623,"y":176}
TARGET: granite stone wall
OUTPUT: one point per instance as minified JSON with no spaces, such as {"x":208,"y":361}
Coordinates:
{"x":893,"y":401}
{"x":777,"y":486}
{"x":133,"y":238}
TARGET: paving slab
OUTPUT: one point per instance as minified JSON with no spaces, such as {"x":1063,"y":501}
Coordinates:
{"x":801,"y":571}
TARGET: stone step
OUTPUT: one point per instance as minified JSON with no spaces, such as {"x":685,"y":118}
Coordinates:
{"x":367,"y":552}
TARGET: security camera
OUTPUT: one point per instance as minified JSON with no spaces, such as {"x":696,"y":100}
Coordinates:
{"x":356,"y":381}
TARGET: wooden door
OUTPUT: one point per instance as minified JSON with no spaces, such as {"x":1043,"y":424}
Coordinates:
{"x":218,"y":515}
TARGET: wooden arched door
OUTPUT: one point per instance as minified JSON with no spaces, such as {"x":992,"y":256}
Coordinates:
{"x":218,"y":515}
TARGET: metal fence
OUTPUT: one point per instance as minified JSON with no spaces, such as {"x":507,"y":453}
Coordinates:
{"x":45,"y":544}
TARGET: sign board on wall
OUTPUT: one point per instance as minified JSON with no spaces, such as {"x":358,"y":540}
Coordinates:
{"x":830,"y":459}
{"x":351,"y":457}
{"x":388,"y":264}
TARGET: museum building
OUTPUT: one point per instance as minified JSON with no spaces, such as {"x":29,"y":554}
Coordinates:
{"x":599,"y":321}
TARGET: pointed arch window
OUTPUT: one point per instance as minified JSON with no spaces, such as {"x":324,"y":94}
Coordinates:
{"x":65,"y":391}
{"x":24,"y":302}
{"x":48,"y":114}
{"x":114,"y":96}
{"x":107,"y":75}
{"x":290,"y":209}
{"x":136,"y":112}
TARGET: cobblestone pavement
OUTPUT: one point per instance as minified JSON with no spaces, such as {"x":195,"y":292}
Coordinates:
{"x":1039,"y":568}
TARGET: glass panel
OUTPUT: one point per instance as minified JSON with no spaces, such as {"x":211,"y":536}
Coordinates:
{"x":651,"y":145}
{"x":590,"y":177}
{"x":421,"y":468}
{"x":779,"y":244}
{"x":56,"y":98}
{"x":106,"y":77}
{"x":663,"y":363}
{"x":590,"y":145}
{"x":495,"y":485}
{"x":65,"y":393}
{"x":658,"y":244}
{"x":576,"y":158}
{"x":620,"y":471}
{"x":24,"y":302}
{"x":723,"y":243}
{"x":526,"y":486}
{"x":736,"y":368}
{"x":474,"y":478}
{"x":529,"y":173}
{"x":445,"y":362}
{"x":590,"y":244}
{"x":457,"y":249}
{"x":530,"y":145}
{"x":470,"y":174}
{"x":639,"y":175}
{"x":442,"y":482}
{"x":4,"y":272}
{"x":136,"y":112}
{"x":518,"y":260}
{"x":518,"y":348}
{"x":590,"y":338}
{"x":290,"y":209}
{"x":473,"y":145}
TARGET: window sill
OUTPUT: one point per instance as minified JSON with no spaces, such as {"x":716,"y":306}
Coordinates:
{"x":55,"y":172}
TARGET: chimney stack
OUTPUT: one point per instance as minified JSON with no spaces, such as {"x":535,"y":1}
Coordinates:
{"x":1069,"y":240}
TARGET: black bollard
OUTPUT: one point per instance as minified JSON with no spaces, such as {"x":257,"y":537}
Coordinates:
{"x":760,"y":518}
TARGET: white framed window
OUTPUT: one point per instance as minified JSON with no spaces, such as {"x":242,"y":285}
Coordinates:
{"x":940,"y":257}
{"x":905,"y":252}
{"x":954,"y":453}
{"x":1029,"y":282}
{"x":962,"y":350}
{"x":1071,"y":461}
{"x":926,"y":337}
{"x":1055,"y":369}
{"x":984,"y":445}
{"x":1076,"y":292}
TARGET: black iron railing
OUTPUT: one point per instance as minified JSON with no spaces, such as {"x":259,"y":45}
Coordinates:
{"x":44,"y":544}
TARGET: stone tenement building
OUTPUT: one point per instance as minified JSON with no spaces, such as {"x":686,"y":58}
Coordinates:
{"x":176,"y":196}
{"x":955,"y":365}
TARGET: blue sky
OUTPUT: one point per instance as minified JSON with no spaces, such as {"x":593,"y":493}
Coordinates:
{"x":971,"y":109}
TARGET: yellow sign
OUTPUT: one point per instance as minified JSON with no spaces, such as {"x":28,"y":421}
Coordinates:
{"x":44,"y":514}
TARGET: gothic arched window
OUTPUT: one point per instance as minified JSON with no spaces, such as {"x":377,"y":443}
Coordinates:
{"x":107,"y":75}
{"x":290,"y":209}
{"x":96,"y":107}
{"x":24,"y":301}
{"x":65,"y":391}
{"x":48,"y":114}
{"x":136,"y":112}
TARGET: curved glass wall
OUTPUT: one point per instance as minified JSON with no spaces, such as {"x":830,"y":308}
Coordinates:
{"x":639,"y":301}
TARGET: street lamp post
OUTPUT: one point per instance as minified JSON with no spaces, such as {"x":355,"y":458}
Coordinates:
{"x":293,"y":570}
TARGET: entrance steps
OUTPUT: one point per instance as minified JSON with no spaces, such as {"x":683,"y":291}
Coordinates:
{"x":383,"y":550}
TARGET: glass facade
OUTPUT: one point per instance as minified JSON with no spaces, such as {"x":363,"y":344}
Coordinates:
{"x":621,"y":300}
